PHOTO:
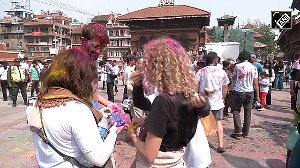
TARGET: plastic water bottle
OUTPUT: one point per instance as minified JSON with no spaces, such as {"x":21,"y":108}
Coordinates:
{"x":103,"y":126}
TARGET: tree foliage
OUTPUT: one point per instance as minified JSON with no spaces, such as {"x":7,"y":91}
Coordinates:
{"x":211,"y":33}
{"x":268,"y":37}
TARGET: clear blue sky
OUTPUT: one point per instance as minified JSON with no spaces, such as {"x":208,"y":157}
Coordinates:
{"x":249,"y":10}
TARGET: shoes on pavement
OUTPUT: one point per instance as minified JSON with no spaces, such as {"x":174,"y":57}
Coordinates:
{"x":236,"y":135}
{"x":221,"y":150}
{"x":14,"y":104}
{"x":268,"y":106}
{"x":4,"y":99}
{"x":261,"y":109}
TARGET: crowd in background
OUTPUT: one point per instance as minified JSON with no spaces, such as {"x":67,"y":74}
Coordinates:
{"x":22,"y":76}
{"x":168,"y":95}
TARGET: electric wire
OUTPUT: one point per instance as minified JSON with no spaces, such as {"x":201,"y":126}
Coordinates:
{"x":68,"y":6}
{"x":65,"y":6}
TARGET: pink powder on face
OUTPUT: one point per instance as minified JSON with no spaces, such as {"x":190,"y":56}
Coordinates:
{"x":84,"y":44}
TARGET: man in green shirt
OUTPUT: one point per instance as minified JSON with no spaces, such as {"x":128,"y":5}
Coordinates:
{"x":34,"y":77}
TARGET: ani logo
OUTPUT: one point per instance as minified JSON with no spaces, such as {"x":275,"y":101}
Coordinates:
{"x":281,"y":20}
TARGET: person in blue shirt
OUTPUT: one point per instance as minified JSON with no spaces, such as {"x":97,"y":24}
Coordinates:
{"x":258,"y":66}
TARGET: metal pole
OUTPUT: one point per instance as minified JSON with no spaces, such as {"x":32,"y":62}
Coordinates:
{"x":60,"y":43}
{"x":71,"y":35}
{"x":245,"y":41}
{"x":54,"y":34}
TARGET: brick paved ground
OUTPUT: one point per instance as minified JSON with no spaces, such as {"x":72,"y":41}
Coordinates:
{"x":265,"y":146}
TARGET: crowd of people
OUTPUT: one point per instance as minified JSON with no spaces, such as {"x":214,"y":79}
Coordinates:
{"x":167,"y":129}
{"x":21,"y":76}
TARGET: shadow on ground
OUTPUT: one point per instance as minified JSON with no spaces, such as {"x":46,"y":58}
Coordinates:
{"x":281,"y":109}
{"x":278,"y":132}
{"x":241,"y":162}
{"x":289,"y":120}
{"x":275,"y":163}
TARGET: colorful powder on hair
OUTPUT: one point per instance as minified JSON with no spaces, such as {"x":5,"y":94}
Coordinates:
{"x":100,"y":33}
{"x":84,"y":44}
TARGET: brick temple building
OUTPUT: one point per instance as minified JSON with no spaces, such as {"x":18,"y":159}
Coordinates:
{"x":289,"y":40}
{"x":180,"y":22}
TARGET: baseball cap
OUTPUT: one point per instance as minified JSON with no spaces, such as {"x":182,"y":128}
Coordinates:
{"x":253,"y":56}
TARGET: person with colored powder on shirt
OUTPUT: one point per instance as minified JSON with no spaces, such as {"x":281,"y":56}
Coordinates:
{"x":245,"y":84}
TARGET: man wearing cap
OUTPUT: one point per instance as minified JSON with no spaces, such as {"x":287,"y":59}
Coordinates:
{"x":258,"y":66}
{"x":245,"y":77}
{"x":3,"y":78}
{"x":214,"y":79}
{"x":16,"y":79}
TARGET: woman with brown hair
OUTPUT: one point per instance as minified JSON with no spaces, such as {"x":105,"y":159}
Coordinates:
{"x":69,"y":120}
{"x":174,"y":113}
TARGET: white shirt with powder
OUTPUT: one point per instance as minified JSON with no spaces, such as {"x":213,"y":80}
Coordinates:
{"x":212,"y":78}
{"x":244,"y":74}
{"x":72,"y":130}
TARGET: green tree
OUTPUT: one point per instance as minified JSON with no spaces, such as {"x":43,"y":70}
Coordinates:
{"x":211,"y":33}
{"x":268,"y":38}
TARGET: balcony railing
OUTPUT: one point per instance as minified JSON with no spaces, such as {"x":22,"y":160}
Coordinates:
{"x":38,"y":44}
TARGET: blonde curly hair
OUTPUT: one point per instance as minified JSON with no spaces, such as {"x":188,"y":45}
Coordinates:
{"x":167,"y":67}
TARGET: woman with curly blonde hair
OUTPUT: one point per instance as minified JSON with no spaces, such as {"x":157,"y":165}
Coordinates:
{"x":167,"y":66}
{"x":174,"y":113}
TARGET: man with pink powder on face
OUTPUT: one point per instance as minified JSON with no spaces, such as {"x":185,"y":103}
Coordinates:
{"x":94,"y":39}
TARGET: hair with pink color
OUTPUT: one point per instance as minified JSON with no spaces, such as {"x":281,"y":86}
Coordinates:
{"x":97,"y":31}
{"x":167,"y":67}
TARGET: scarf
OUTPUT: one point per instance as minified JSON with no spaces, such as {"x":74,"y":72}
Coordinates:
{"x":57,"y":96}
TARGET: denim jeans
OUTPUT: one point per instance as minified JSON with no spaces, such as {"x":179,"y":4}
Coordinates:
{"x":240,"y":99}
{"x":278,"y":81}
